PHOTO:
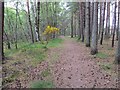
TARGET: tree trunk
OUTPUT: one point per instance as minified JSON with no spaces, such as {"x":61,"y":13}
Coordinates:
{"x":1,"y":29}
{"x":30,"y":23}
{"x":72,"y":25}
{"x":87,"y":24}
{"x":113,"y":37}
{"x":100,"y":19}
{"x":8,"y":41}
{"x":107,"y":32}
{"x":55,"y":19}
{"x":79,"y":24}
{"x":91,"y":17}
{"x":82,"y":20}
{"x":102,"y":24}
{"x":117,"y":31}
{"x":22,"y":26}
{"x":38,"y":20}
{"x":117,"y":57}
{"x":74,"y":20}
{"x":83,"y":17}
{"x":16,"y":46}
{"x":94,"y":41}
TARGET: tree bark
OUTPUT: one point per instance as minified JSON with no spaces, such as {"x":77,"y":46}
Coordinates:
{"x":1,"y":29}
{"x":30,"y":23}
{"x":100,"y":19}
{"x":102,"y":24}
{"x":117,"y":31}
{"x":74,"y":20}
{"x":72,"y":25}
{"x":16,"y":46}
{"x":94,"y":42}
{"x":38,"y":20}
{"x":87,"y":24}
{"x":91,"y":17}
{"x":107,"y":32}
{"x":8,"y":41}
{"x":79,"y":24}
{"x":113,"y":37}
{"x":117,"y":57}
{"x":82,"y":20}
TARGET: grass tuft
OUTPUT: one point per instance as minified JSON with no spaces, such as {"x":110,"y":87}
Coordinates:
{"x":55,"y":42}
{"x":106,"y":66}
{"x":42,"y":84}
{"x":45,"y":73}
{"x":101,"y":55}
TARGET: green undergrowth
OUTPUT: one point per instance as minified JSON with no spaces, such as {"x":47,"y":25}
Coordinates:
{"x":26,"y":57}
{"x":45,"y":73}
{"x":101,"y":55}
{"x":32,"y":53}
{"x":107,"y":67}
{"x":31,"y":48}
{"x":42,"y":84}
{"x":55,"y":42}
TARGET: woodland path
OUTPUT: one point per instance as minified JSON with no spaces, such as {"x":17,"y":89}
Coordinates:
{"x":75,"y":68}
{"x":71,"y":66}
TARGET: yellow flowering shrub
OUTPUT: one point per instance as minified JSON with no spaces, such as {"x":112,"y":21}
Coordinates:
{"x":48,"y":31}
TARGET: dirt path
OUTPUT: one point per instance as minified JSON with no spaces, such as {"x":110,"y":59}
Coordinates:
{"x":71,"y":66}
{"x":76,"y":69}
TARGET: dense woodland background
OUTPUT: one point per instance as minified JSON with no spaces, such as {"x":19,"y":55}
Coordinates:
{"x":93,"y":23}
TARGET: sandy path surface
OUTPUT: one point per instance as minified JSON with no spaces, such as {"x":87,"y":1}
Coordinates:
{"x":76,"y":69}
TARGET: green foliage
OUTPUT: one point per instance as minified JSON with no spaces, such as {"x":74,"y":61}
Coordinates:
{"x":29,"y":48}
{"x":55,"y":42}
{"x":101,"y":55}
{"x":37,"y":55}
{"x":110,"y":48}
{"x":45,"y":73}
{"x":106,"y":66}
{"x":42,"y":84}
{"x":11,"y":78}
{"x":35,"y":52}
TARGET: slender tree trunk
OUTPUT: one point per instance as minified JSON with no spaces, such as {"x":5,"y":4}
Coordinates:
{"x":16,"y":46}
{"x":87,"y":24}
{"x":91,"y":17}
{"x":74,"y":20}
{"x":34,"y":10}
{"x":32,"y":36}
{"x":22,"y":26}
{"x":117,"y":31}
{"x":94,"y":41}
{"x":47,"y":13}
{"x":107,"y":32}
{"x":79,"y":25}
{"x":117,"y":57}
{"x":72,"y":25}
{"x":38,"y":20}
{"x":102,"y":24}
{"x":8,"y":41}
{"x":1,"y":29}
{"x":83,"y":17}
{"x":82,"y":20}
{"x":55,"y":19}
{"x":113,"y":37}
{"x":101,"y":3}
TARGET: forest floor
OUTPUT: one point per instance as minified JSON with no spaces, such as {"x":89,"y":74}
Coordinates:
{"x":70,"y":65}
